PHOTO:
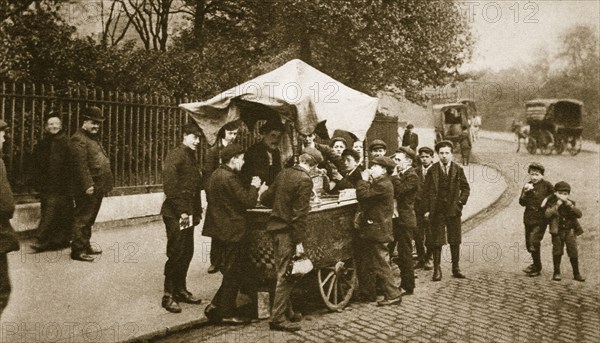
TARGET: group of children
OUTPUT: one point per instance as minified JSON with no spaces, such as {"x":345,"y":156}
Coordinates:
{"x":547,"y":205}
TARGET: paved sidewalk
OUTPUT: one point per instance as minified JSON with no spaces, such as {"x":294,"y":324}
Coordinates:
{"x":117,"y":298}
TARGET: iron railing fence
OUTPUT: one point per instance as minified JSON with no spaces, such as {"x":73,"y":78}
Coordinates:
{"x":138,"y":131}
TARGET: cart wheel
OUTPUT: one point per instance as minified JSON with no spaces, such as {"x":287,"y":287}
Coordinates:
{"x":337,"y":283}
{"x":531,"y":146}
{"x":574,"y":145}
{"x":546,"y":142}
{"x":560,"y":145}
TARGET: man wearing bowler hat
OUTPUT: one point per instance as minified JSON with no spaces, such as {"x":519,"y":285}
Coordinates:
{"x":446,"y":192}
{"x":181,"y":211}
{"x":92,"y":180}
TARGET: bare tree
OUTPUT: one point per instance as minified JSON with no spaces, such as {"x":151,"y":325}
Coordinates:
{"x":116,"y":24}
{"x":150,"y":19}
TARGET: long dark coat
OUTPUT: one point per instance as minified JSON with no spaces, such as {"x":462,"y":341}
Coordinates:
{"x":376,"y":199}
{"x":51,"y":165}
{"x":182,"y":184}
{"x":459,"y":189}
{"x":91,"y":166}
{"x":227,"y":201}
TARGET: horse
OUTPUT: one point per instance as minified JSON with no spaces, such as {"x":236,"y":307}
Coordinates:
{"x":521,"y":132}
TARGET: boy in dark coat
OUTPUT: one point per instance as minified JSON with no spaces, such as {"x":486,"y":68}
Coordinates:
{"x":446,"y":192}
{"x":423,"y":230}
{"x":182,"y":184}
{"x":289,"y":196}
{"x":532,"y":195}
{"x":406,"y":186}
{"x":225,"y":221}
{"x":212,"y":161}
{"x":564,"y":228}
{"x":375,"y":194}
{"x":263,"y":159}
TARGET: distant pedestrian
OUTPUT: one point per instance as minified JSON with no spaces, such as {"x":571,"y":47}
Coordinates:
{"x":8,"y":238}
{"x":406,"y":187}
{"x":52,"y":177}
{"x":423,"y":230}
{"x":564,"y":228}
{"x":92,"y":180}
{"x":289,"y":196}
{"x":532,"y":195}
{"x":181,"y":212}
{"x":410,"y":139}
{"x":446,"y":192}
{"x":225,"y":221}
{"x":212,"y":161}
{"x":465,"y":145}
{"x":375,"y":195}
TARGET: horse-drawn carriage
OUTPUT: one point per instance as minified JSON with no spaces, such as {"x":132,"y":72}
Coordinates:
{"x":449,"y":120}
{"x":555,"y":124}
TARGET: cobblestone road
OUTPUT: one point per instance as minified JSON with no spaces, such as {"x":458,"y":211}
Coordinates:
{"x":497,"y":303}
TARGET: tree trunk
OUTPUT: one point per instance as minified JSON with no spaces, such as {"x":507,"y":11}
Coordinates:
{"x":198,"y":37}
{"x":305,"y":51}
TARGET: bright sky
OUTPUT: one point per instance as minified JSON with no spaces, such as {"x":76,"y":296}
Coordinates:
{"x":508,"y":32}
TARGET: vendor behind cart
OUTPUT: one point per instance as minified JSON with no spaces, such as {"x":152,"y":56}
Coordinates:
{"x":263,"y":159}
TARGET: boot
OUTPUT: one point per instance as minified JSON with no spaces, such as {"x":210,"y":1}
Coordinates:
{"x":576,"y":274}
{"x":437,"y":260}
{"x":537,"y":262}
{"x":455,"y":253}
{"x":556,"y":262}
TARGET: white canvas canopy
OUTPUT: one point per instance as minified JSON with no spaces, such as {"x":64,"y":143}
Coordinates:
{"x":297,"y":92}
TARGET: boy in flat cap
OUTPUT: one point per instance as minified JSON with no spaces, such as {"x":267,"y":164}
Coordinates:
{"x":564,"y":228}
{"x":409,"y":138}
{"x":377,"y":148}
{"x":406,"y":186}
{"x":446,"y":192}
{"x":181,"y":212}
{"x":225,"y":221}
{"x":375,"y":194}
{"x":532,"y":195}
{"x":92,"y":180}
{"x":289,"y":196}
{"x":263,"y":159}
{"x":8,"y":238}
{"x":423,"y":231}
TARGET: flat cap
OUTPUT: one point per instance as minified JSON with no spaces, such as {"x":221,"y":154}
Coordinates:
{"x":562,"y":187}
{"x":3,"y":125}
{"x":408,"y":152}
{"x":426,"y":150}
{"x":444,"y":144}
{"x":339,"y":139}
{"x":377,"y":144}
{"x":384,"y":161}
{"x":537,"y":166}
{"x":230,"y":151}
{"x":410,"y":126}
{"x":191,"y":128}
{"x":314,"y":153}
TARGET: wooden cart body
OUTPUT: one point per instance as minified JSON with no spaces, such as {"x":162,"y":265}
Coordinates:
{"x":329,"y":246}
